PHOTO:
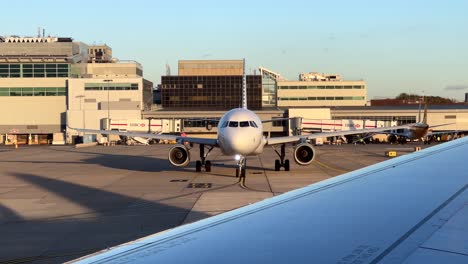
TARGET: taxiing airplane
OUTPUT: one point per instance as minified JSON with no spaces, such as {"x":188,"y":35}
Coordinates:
{"x":240,"y":134}
{"x":411,"y":209}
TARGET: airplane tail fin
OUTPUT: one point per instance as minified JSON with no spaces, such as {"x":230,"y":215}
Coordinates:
{"x":424,"y":121}
{"x":244,"y":87}
{"x":419,"y":112}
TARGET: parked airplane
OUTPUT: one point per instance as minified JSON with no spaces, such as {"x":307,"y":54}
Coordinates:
{"x":240,"y":133}
{"x":410,"y":209}
{"x":419,"y":130}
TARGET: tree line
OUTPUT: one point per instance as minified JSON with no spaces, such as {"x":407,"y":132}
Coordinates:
{"x":427,"y":99}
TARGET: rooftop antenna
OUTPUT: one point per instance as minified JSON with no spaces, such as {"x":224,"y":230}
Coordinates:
{"x":244,"y":86}
{"x":168,"y":70}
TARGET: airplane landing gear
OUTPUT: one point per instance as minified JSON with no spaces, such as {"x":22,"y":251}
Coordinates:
{"x":241,"y":169}
{"x":282,"y":162}
{"x":203,"y":162}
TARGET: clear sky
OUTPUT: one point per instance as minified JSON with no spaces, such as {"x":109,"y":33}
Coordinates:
{"x":396,"y":46}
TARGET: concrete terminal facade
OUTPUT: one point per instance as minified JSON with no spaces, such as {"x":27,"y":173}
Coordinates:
{"x":49,"y":82}
{"x":455,"y":115}
{"x":315,"y":89}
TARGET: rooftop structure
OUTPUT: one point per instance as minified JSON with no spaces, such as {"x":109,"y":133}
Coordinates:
{"x":319,"y":77}
{"x":39,"y":39}
{"x":211,"y":67}
{"x":99,"y":54}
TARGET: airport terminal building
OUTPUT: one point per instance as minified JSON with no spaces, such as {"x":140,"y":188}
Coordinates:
{"x":209,"y":85}
{"x":49,"y":82}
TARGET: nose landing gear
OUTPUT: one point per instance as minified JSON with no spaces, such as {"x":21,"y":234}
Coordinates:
{"x":241,"y":163}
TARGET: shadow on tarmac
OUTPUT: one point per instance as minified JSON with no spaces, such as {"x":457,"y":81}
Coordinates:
{"x":107,"y":219}
{"x":151,"y":163}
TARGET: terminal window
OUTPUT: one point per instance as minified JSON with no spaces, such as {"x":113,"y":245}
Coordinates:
{"x":34,"y":70}
{"x":110,"y":86}
{"x":34,"y":91}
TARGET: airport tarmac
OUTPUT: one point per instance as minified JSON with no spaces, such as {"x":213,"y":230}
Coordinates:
{"x":58,"y":203}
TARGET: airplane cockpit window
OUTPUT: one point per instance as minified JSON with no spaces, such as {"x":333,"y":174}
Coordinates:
{"x":253,"y":124}
{"x":244,"y":123}
{"x":233,"y":124}
{"x":225,"y":124}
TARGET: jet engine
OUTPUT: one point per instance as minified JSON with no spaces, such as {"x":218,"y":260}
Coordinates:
{"x":179,"y":156}
{"x":304,"y":154}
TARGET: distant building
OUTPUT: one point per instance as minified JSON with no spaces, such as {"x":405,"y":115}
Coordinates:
{"x":311,"y":90}
{"x":319,"y":77}
{"x":47,"y":83}
{"x":209,"y":84}
{"x":318,"y":90}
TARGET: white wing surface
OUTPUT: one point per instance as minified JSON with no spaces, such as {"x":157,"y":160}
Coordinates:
{"x":411,"y":209}
{"x":292,"y":139}
{"x":180,"y":139}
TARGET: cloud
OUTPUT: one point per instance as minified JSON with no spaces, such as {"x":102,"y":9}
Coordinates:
{"x":456,"y":87}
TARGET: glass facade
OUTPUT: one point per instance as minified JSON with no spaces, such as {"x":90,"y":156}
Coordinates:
{"x":321,"y":98}
{"x":34,"y":70}
{"x":269,"y":87}
{"x":295,"y":87}
{"x":110,"y":86}
{"x":210,"y":92}
{"x":33,"y":91}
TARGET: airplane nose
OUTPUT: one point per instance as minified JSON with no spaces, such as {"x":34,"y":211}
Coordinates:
{"x":243,"y":143}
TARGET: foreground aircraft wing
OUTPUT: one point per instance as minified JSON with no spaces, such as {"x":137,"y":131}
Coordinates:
{"x":291,"y":139}
{"x":410,"y":209}
{"x":181,"y":139}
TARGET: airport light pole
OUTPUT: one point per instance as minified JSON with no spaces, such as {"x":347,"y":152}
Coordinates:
{"x":81,"y":96}
{"x":107,"y":81}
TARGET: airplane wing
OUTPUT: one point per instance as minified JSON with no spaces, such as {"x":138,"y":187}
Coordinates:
{"x":442,"y":125}
{"x":410,"y":209}
{"x":180,"y":139}
{"x":291,"y":139}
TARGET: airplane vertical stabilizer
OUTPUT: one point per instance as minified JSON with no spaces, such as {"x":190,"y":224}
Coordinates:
{"x":419,"y":113}
{"x":424,"y":121}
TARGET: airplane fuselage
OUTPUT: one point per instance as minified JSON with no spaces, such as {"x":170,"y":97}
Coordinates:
{"x":417,"y":131}
{"x":240,"y":132}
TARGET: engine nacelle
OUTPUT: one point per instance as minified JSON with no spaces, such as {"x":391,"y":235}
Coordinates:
{"x":304,"y":154}
{"x":179,"y":156}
